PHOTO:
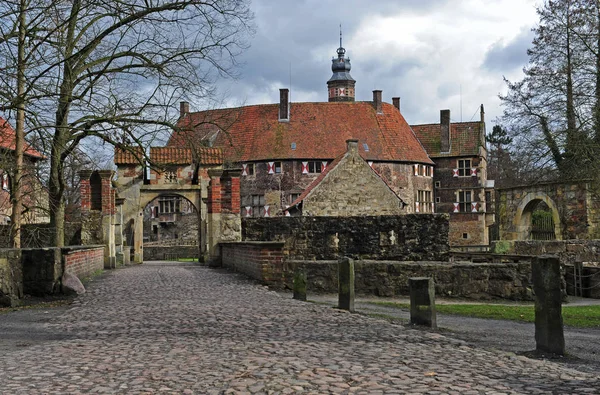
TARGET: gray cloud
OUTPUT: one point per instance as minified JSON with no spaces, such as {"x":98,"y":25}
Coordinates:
{"x":502,"y":56}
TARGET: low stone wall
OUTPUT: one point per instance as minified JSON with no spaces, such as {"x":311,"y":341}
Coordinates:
{"x":155,"y":253}
{"x":11,"y":277}
{"x":568,"y":251}
{"x":413,"y":237}
{"x":260,"y":260}
{"x":386,"y":278}
{"x":43,"y":267}
{"x":41,"y":235}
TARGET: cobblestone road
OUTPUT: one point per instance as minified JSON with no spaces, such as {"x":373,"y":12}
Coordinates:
{"x":168,"y":328}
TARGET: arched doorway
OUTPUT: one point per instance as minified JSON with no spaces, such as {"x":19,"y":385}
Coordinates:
{"x":171,"y":228}
{"x":537,"y":218}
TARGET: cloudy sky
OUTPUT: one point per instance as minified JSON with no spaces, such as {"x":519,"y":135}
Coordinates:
{"x":425,"y":51}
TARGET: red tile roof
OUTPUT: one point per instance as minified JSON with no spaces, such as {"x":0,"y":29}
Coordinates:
{"x":7,"y":140}
{"x":318,"y":130}
{"x":465,"y":138}
{"x":168,"y":156}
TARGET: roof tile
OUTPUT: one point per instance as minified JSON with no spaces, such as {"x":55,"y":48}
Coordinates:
{"x":8,"y":137}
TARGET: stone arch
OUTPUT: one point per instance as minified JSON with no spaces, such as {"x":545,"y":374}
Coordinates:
{"x":522,"y":219}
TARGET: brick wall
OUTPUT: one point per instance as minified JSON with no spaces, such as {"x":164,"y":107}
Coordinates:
{"x":388,"y":278}
{"x":262,"y":261}
{"x":412,"y":237}
{"x":83,"y":262}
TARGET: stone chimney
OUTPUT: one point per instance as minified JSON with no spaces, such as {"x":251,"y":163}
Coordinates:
{"x":184,"y":109}
{"x":482,"y":113}
{"x":352,"y":145}
{"x":396,"y":102}
{"x":445,"y":131}
{"x":377,"y":101}
{"x":284,"y":105}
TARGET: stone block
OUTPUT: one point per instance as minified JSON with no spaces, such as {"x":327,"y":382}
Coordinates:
{"x":346,"y":284}
{"x":422,"y":301}
{"x":300,"y":285}
{"x":546,"y":275}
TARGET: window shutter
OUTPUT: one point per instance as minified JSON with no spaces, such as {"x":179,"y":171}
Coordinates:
{"x":473,"y":207}
{"x":454,"y":172}
{"x":473,"y":172}
{"x":304,"y":167}
{"x":323,"y":166}
{"x":248,"y":211}
{"x":267,"y":211}
{"x":417,"y":207}
{"x":370,"y":164}
{"x":271,"y":167}
{"x":416,"y":170}
{"x":5,"y":182}
{"x":431,"y":171}
{"x":244,"y":169}
{"x":457,"y":207}
{"x":432,"y":207}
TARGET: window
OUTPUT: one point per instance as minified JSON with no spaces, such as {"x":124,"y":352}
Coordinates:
{"x":437,"y":199}
{"x":258,"y":205}
{"x":5,"y":185}
{"x":464,"y":200}
{"x":170,"y":176}
{"x":465,"y":236}
{"x":438,"y":184}
{"x":278,"y":168}
{"x":169,"y":205}
{"x":293,"y":197}
{"x":424,"y":200}
{"x":314,"y":167}
{"x":428,"y":171}
{"x":464,"y":167}
{"x":250,"y":169}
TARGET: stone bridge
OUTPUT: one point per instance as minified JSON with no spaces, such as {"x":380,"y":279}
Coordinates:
{"x":575,"y":209}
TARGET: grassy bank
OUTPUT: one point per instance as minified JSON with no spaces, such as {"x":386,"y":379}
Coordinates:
{"x":575,"y":316}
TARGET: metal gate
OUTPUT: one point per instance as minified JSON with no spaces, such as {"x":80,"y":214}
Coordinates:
{"x":542,"y":228}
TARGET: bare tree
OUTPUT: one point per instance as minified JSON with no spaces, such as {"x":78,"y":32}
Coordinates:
{"x":116,"y":70}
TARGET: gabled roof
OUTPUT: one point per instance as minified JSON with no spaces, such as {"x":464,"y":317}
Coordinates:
{"x":465,"y":138}
{"x":314,"y":130}
{"x":8,"y":140}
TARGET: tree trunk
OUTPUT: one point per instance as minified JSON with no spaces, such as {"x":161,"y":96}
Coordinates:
{"x":16,"y":187}
{"x":571,"y":149}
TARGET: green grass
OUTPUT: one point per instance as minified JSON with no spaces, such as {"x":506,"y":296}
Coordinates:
{"x":575,"y":316}
{"x":187,"y":259}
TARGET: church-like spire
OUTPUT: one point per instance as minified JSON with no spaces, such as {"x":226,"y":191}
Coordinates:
{"x":341,"y":83}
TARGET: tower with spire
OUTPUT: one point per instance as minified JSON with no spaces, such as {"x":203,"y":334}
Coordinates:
{"x":341,"y":84}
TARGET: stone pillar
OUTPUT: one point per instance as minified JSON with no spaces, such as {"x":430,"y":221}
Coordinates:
{"x":119,"y":230}
{"x":549,"y":336}
{"x":300,"y":285}
{"x":85,"y":191}
{"x":213,"y":206}
{"x":138,"y":238}
{"x":422,"y":301}
{"x":346,"y":284}
{"x":108,"y":224}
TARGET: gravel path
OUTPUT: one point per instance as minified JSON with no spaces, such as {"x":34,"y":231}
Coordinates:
{"x":176,"y":328}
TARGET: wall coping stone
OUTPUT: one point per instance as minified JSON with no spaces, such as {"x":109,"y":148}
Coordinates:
{"x":420,"y":263}
{"x":256,"y":243}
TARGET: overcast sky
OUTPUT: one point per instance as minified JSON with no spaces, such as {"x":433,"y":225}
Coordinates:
{"x":421,"y":50}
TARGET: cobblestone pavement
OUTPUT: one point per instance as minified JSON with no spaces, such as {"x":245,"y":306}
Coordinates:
{"x":172,"y":328}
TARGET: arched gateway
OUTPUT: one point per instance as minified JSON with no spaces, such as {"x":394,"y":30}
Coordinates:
{"x":569,"y":211}
{"x":196,"y":176}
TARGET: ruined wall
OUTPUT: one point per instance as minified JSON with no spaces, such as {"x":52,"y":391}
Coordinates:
{"x":11,"y":277}
{"x":41,"y":235}
{"x":83,"y":262}
{"x":406,"y":237}
{"x":465,"y":280}
{"x":159,"y":253}
{"x":568,"y":251}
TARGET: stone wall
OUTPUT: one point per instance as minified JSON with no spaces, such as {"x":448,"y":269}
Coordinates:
{"x":412,"y":237}
{"x":44,"y":267}
{"x":262,"y":261}
{"x":387,"y":278}
{"x":11,"y":277}
{"x":41,"y":235}
{"x":159,"y":253}
{"x":568,"y":251}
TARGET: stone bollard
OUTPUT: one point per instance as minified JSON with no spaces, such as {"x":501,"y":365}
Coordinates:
{"x":422,"y":301}
{"x":300,"y":285}
{"x":549,"y":335}
{"x":346,"y":284}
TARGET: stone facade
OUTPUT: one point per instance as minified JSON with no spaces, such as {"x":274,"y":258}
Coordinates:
{"x":405,"y":237}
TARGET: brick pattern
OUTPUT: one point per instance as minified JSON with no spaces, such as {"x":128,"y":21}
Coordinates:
{"x":214,"y":196}
{"x":7,"y":140}
{"x":84,"y":262}
{"x":465,"y":138}
{"x":260,"y":261}
{"x":85,"y":194}
{"x":129,"y":156}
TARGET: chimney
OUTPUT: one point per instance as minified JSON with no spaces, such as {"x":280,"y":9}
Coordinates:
{"x":377,"y":101}
{"x":396,"y":102}
{"x":445,"y":130}
{"x":352,"y":145}
{"x":284,"y":105}
{"x":482,"y":113}
{"x":184,"y":109}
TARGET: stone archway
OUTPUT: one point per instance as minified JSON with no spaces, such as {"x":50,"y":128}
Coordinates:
{"x":522,"y":219}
